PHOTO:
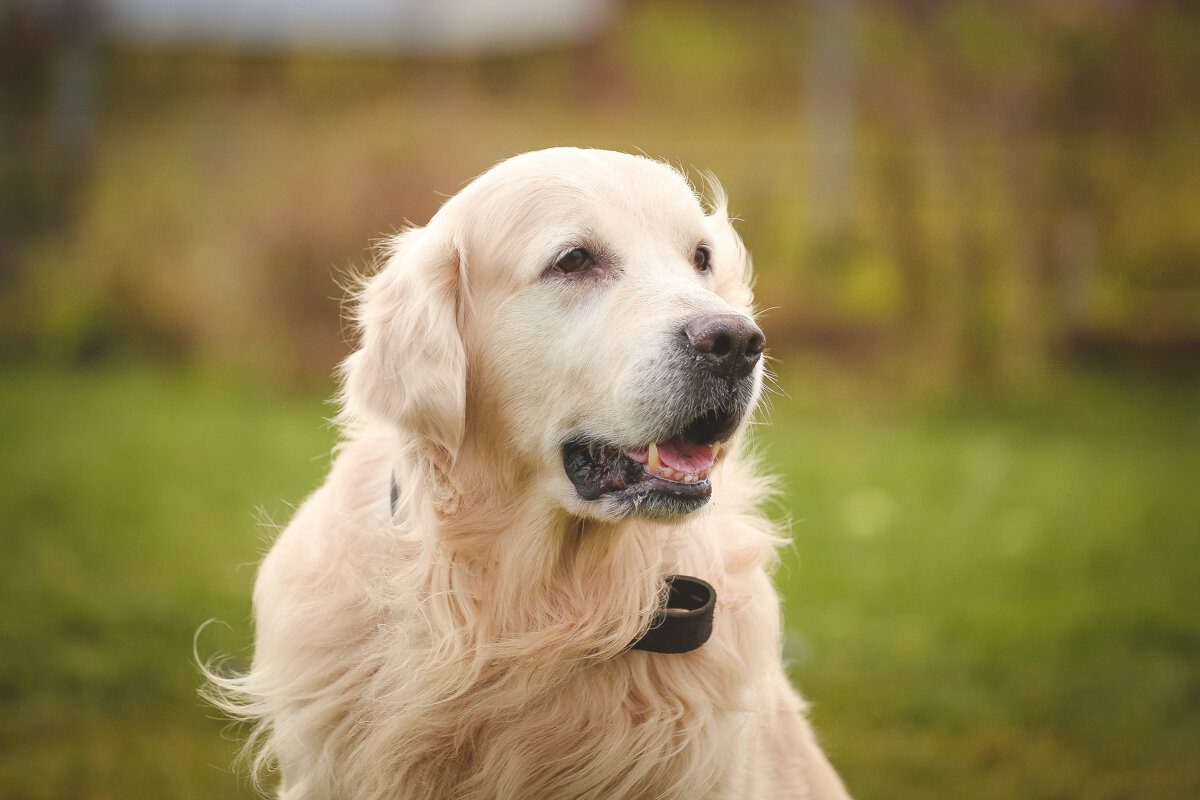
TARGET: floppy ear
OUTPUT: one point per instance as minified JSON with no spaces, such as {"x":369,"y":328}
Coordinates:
{"x":410,"y":369}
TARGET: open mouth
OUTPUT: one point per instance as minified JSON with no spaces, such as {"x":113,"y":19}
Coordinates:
{"x":666,"y":477}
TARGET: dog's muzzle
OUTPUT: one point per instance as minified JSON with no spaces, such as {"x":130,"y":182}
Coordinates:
{"x":707,"y":391}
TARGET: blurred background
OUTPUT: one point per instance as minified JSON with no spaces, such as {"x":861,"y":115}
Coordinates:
{"x":976,"y":226}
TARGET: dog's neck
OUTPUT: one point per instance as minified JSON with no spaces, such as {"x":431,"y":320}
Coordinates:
{"x":602,"y":583}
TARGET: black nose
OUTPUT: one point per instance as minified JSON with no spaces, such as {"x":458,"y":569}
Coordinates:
{"x":729,"y":344}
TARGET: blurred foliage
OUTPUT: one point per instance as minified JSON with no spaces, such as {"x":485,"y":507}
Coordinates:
{"x":1022,"y":178}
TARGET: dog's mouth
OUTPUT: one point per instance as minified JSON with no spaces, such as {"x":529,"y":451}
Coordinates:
{"x":667,"y":477}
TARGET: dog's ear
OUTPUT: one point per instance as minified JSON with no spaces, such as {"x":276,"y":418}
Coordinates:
{"x":410,"y":369}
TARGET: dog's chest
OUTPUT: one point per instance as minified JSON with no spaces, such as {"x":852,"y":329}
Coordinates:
{"x":623,"y":731}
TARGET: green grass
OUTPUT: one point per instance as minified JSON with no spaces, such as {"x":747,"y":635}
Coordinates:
{"x":999,"y":600}
{"x":131,"y":501}
{"x":985,"y":599}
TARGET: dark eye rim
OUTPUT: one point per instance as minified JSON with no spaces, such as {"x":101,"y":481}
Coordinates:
{"x":574,"y":260}
{"x":702,"y":259}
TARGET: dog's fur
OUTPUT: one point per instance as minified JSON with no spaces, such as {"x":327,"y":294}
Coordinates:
{"x":475,"y":642}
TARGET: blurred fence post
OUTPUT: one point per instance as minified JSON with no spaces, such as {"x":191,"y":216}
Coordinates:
{"x":46,"y":80}
{"x":828,"y":108}
{"x":75,"y":84}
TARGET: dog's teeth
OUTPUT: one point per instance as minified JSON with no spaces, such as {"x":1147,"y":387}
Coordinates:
{"x":652,"y":457}
{"x":689,"y":478}
{"x":716,"y":448}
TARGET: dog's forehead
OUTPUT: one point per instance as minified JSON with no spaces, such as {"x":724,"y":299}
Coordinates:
{"x":563,"y":191}
{"x":598,"y":172}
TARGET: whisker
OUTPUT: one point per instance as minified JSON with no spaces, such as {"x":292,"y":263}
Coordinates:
{"x":762,"y":312}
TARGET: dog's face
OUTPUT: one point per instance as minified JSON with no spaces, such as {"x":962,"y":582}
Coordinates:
{"x":573,"y":317}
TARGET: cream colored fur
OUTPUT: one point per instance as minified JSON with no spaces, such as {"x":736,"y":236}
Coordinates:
{"x":475,"y":644}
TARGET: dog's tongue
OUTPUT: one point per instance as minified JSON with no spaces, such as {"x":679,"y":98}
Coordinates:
{"x":680,"y":454}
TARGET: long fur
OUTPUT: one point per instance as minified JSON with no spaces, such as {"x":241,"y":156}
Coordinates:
{"x":474,"y":644}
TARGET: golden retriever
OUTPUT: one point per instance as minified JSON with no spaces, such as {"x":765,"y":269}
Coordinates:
{"x":543,"y":425}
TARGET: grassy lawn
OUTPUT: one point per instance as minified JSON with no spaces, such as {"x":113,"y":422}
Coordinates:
{"x":132,"y":500}
{"x":998,"y":600}
{"x":985,"y":599}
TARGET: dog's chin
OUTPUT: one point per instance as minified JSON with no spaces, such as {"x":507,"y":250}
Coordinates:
{"x":655,"y":498}
{"x":667,"y":478}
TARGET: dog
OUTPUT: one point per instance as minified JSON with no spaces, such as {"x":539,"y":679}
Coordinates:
{"x":537,"y":567}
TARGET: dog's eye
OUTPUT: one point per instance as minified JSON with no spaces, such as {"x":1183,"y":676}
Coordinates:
{"x":573,"y":261}
{"x":701,"y":258}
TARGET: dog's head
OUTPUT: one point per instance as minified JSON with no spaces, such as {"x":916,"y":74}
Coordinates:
{"x":574,"y":321}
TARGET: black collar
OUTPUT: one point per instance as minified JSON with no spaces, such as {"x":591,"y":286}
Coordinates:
{"x":685,"y":622}
{"x":680,"y":626}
